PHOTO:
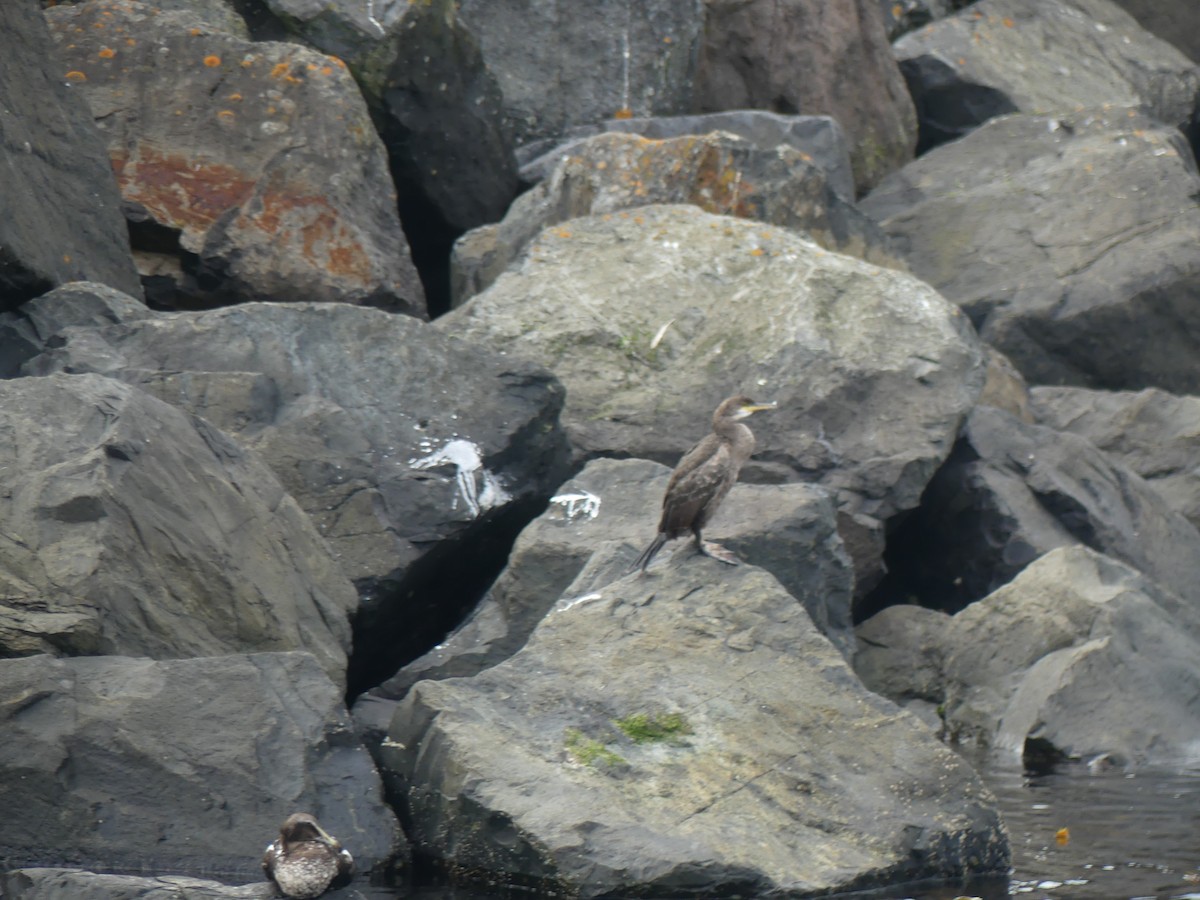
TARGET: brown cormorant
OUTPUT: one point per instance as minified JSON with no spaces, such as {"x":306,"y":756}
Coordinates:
{"x":304,"y":861}
{"x":703,"y":478}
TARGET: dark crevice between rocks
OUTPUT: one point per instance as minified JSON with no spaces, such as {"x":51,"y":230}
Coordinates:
{"x":932,"y":556}
{"x":948,"y":107}
{"x":430,"y":239}
{"x":185,"y":280}
{"x":400,"y":621}
{"x":18,"y":283}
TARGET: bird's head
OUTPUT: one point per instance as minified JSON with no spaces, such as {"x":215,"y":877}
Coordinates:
{"x":740,"y":407}
{"x":301,"y":827}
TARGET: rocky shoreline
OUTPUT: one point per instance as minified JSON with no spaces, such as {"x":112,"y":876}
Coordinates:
{"x":345,"y":348}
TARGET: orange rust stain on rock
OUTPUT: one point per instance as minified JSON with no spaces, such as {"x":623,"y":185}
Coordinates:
{"x":180,"y":192}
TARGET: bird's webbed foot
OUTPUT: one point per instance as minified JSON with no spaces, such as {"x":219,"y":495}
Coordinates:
{"x":717,"y":552}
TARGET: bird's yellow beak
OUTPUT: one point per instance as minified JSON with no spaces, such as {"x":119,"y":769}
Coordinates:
{"x":758,"y":407}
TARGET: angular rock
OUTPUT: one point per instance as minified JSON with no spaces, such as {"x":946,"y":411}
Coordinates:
{"x":819,"y":138}
{"x":1013,"y":491}
{"x":1068,"y":240}
{"x":1079,"y":656}
{"x":564,"y":64}
{"x":720,"y":173}
{"x":829,"y":57}
{"x":1005,"y":388}
{"x":60,"y":217}
{"x":133,"y":528}
{"x":249,"y":171}
{"x":1040,"y":56}
{"x":909,"y":15}
{"x":1154,"y":433}
{"x":437,"y":106}
{"x":789,"y":530}
{"x":612,"y":754}
{"x":180,"y":766}
{"x":902,"y":653}
{"x":24,"y":333}
{"x":1175,"y":21}
{"x":52,"y":884}
{"x":650,"y":317}
{"x":399,"y":442}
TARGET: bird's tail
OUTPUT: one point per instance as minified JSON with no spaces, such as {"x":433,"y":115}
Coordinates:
{"x":649,"y":553}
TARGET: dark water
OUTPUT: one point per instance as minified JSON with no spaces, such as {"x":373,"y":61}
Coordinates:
{"x":1127,"y":836}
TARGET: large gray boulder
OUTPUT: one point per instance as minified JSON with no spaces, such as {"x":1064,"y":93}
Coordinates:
{"x":250,"y":171}
{"x":829,"y":57}
{"x":60,"y":217}
{"x":1041,"y":56}
{"x":398,"y":441}
{"x":1068,"y":240}
{"x":180,"y":766}
{"x":1011,"y":492}
{"x":1079,"y":657}
{"x":563,"y":63}
{"x":650,"y":317}
{"x":438,"y":107}
{"x":718,"y":172}
{"x":685,"y":731}
{"x":133,"y":528}
{"x":788,"y":529}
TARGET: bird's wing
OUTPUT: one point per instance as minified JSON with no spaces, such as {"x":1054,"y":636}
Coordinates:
{"x":268,"y":860}
{"x":697,"y":479}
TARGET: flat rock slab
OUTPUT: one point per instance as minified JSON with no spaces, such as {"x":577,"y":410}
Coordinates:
{"x":180,"y":766}
{"x":1040,"y":56}
{"x":134,"y":528}
{"x":260,"y":157}
{"x":60,"y":216}
{"x":718,"y":172}
{"x":650,"y":317}
{"x":1069,"y":241}
{"x":820,"y":138}
{"x":52,"y":884}
{"x":688,"y":731}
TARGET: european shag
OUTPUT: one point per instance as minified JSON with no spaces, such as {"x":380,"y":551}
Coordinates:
{"x":703,"y":478}
{"x":305,"y":861}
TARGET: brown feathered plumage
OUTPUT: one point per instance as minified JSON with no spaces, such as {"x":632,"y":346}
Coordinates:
{"x":704,"y":476}
{"x":304,"y":861}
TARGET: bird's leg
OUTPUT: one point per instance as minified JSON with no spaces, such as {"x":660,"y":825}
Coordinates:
{"x":716,"y":551}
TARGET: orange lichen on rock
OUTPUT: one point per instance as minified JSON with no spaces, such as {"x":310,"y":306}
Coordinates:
{"x":212,"y":61}
{"x":325,"y":241}
{"x":623,"y":113}
{"x":106,"y":53}
{"x":75,"y":75}
{"x":179,"y":191}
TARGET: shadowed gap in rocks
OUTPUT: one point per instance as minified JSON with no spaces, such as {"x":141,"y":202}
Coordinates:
{"x":407,"y":618}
